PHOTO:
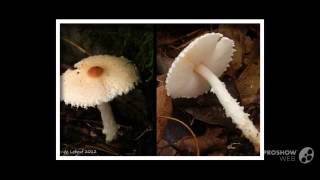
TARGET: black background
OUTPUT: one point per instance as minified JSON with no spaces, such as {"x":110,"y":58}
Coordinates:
{"x":291,"y":85}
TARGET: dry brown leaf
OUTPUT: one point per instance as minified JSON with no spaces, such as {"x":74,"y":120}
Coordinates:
{"x":254,"y":111}
{"x":249,"y":44}
{"x":161,"y":79}
{"x":164,"y":149}
{"x":164,"y":108}
{"x":214,"y":115}
{"x":252,"y":54}
{"x":248,"y":84}
{"x":164,"y":102}
{"x":234,"y":32}
{"x":164,"y":39}
{"x":163,"y":63}
{"x":212,"y":140}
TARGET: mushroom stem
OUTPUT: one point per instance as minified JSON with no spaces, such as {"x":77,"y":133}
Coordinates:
{"x":110,"y":126}
{"x":231,"y":106}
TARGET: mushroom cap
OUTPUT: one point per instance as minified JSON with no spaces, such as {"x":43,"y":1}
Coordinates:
{"x":79,"y":89}
{"x":212,"y":50}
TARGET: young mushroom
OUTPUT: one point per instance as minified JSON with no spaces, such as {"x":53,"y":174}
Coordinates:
{"x":97,"y":80}
{"x":198,"y":67}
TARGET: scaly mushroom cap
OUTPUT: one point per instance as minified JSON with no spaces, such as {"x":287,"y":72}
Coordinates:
{"x":98,"y":79}
{"x":212,"y":50}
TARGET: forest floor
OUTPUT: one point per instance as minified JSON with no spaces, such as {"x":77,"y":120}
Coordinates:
{"x":215,"y":133}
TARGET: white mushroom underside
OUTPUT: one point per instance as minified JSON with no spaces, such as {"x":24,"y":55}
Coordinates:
{"x":212,"y":50}
{"x":79,"y":89}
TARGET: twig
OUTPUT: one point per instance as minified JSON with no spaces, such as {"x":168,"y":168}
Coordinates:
{"x":181,"y":46}
{"x":192,"y":121}
{"x":148,"y":129}
{"x":184,"y":44}
{"x":77,"y":46}
{"x":160,"y":81}
{"x":173,"y":47}
{"x":125,"y":127}
{"x":231,"y":146}
{"x":87,"y":121}
{"x":181,"y":37}
{"x":109,"y":151}
{"x":91,"y":126}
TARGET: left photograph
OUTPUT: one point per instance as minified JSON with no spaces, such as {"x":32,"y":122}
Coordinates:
{"x":107,"y":90}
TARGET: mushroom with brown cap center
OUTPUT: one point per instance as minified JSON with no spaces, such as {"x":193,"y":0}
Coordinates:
{"x":95,"y":71}
{"x":89,"y":85}
{"x":198,"y":67}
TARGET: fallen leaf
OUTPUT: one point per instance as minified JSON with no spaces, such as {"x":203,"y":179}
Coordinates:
{"x":214,"y":115}
{"x":249,"y":44}
{"x":212,"y":140}
{"x":234,"y":32}
{"x":161,"y":79}
{"x":164,"y":149}
{"x":164,"y":102}
{"x":164,"y":38}
{"x":161,"y":125}
{"x":248,"y":84}
{"x":163,"y":63}
{"x":174,"y":131}
{"x":254,"y":111}
{"x":164,"y":108}
{"x":252,"y":53}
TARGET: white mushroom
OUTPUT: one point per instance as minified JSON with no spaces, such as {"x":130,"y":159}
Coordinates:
{"x":96,"y":81}
{"x":198,"y":67}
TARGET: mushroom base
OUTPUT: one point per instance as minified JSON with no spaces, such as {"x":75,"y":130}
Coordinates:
{"x":110,"y":127}
{"x":231,"y":106}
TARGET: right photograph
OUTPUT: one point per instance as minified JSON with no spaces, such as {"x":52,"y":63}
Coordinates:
{"x":208,"y":89}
